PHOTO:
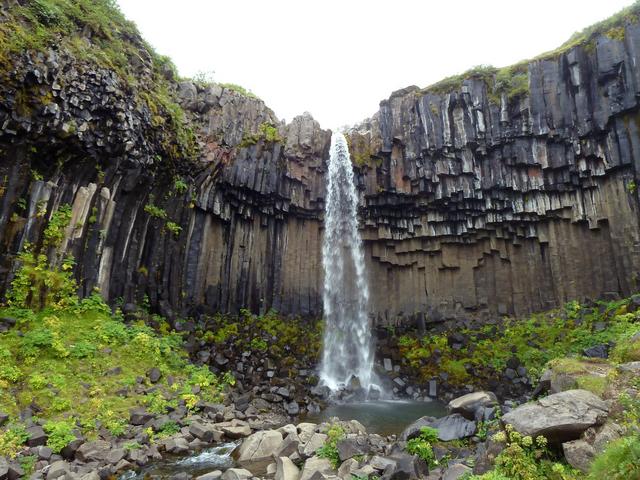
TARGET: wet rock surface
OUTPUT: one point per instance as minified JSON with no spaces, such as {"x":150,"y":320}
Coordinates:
{"x":467,"y":202}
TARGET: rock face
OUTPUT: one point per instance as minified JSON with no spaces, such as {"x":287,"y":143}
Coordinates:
{"x":257,"y":451}
{"x":467,"y":203}
{"x":559,"y":417}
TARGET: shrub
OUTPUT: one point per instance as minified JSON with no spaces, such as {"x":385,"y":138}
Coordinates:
{"x":12,"y":440}
{"x":330,"y":450}
{"x":619,"y":461}
{"x":422,"y":445}
{"x":60,"y":434}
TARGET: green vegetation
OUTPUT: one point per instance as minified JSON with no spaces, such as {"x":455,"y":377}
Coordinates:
{"x":95,"y":32}
{"x":269,"y":332}
{"x":422,"y":445}
{"x":72,"y":357}
{"x":361,"y":151}
{"x":39,"y":283}
{"x":525,"y":458}
{"x":238,"y":89}
{"x":159,"y":213}
{"x":513,"y":80}
{"x":534,"y":341}
{"x":620,"y":461}
{"x":330,"y":450}
{"x":612,"y":27}
{"x":267,"y":132}
{"x":155,"y":211}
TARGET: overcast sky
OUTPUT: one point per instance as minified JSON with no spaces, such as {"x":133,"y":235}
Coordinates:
{"x":338,"y":58}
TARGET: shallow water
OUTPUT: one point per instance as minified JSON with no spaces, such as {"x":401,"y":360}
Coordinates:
{"x":217,"y":458}
{"x":384,"y":417}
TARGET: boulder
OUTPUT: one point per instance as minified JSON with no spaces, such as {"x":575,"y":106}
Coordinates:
{"x":559,"y":417}
{"x":37,"y":436}
{"x":57,"y":469}
{"x":4,"y":468}
{"x":286,"y":470}
{"x":215,"y":475}
{"x":139,"y":416}
{"x":96,"y":451}
{"x":451,"y":427}
{"x":467,"y":405}
{"x":205,"y":432}
{"x":316,"y":441}
{"x":352,"y":446}
{"x":406,"y":467}
{"x":290,"y":446}
{"x":237,"y":474}
{"x":455,"y":471}
{"x":579,"y":454}
{"x":176,"y":445}
{"x":235,"y":432}
{"x":257,"y":450}
{"x":347,"y":468}
{"x":381,"y":463}
{"x":315,"y":465}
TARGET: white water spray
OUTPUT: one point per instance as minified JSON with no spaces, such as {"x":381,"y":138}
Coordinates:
{"x":347,"y":338}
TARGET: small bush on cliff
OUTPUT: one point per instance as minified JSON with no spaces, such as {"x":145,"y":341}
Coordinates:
{"x":39,"y":282}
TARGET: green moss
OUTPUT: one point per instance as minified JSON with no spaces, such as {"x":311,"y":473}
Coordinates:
{"x":239,"y":89}
{"x":267,"y":132}
{"x":112,"y":43}
{"x":84,"y":387}
{"x":513,"y":80}
{"x":534,"y":341}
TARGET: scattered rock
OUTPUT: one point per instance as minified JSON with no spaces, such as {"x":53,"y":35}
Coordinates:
{"x":154,"y":375}
{"x":352,"y":446}
{"x":468,"y":404}
{"x":96,"y":451}
{"x":37,"y":436}
{"x":237,"y":474}
{"x":257,"y":450}
{"x":316,"y":465}
{"x":139,"y":416}
{"x":286,"y":470}
{"x":455,"y":471}
{"x":579,"y":454}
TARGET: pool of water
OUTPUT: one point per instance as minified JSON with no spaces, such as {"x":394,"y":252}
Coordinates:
{"x":384,"y":417}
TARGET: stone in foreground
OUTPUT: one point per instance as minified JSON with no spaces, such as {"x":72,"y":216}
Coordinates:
{"x":451,"y":427}
{"x":256,"y":452}
{"x":559,"y":417}
{"x":467,"y":405}
{"x":286,"y":470}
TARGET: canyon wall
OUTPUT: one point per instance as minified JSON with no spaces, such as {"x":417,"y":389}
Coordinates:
{"x":469,"y":205}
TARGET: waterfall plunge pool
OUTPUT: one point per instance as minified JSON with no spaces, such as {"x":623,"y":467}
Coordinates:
{"x":384,"y":417}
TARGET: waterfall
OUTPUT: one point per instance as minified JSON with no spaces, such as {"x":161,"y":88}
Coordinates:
{"x":347,"y":349}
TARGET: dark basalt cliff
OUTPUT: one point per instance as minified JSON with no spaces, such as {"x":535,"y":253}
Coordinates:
{"x":468,"y":204}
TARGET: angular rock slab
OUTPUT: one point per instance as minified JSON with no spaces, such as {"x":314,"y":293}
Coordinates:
{"x":559,"y":417}
{"x":451,"y":427}
{"x":316,"y":465}
{"x":467,"y":404}
{"x":257,"y":451}
{"x":286,"y":470}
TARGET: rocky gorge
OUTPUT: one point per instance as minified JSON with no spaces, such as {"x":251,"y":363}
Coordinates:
{"x":161,"y":274}
{"x":474,"y":201}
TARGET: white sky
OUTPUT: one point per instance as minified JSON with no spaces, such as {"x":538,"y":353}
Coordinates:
{"x":338,"y":59}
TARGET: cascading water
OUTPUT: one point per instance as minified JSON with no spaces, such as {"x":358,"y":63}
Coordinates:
{"x":347,"y":340}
